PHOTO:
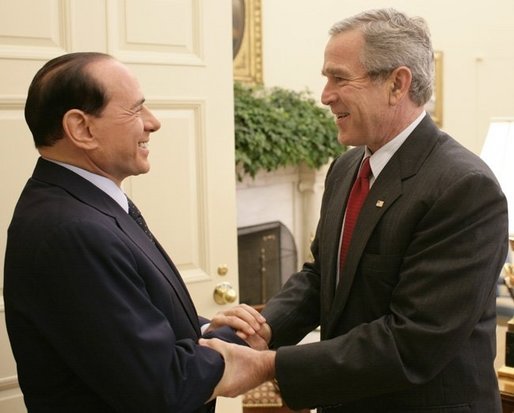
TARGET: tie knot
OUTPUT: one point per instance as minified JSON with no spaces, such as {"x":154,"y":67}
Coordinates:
{"x":365,"y":171}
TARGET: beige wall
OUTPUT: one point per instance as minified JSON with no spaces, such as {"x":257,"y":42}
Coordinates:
{"x":475,"y":36}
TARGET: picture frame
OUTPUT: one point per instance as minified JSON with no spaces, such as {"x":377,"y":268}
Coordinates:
{"x":247,"y":40}
{"x":435,"y":105}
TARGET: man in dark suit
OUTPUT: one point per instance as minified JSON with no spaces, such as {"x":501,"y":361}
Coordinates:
{"x":98,"y":316}
{"x":408,"y":319}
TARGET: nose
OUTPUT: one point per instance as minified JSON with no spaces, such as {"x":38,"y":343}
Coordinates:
{"x":328,"y":95}
{"x":152,"y":124}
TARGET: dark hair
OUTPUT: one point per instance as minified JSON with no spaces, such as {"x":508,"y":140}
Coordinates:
{"x":62,"y":84}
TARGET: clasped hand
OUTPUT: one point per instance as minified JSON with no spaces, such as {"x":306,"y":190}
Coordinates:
{"x":245,"y":368}
{"x":249,"y":324}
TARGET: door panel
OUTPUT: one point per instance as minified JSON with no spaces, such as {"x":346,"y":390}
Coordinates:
{"x":181,"y":51}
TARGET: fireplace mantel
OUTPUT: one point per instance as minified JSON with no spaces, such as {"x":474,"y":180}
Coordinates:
{"x":290,"y":195}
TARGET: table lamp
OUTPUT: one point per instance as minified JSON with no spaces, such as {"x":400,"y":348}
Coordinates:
{"x":498,"y":153}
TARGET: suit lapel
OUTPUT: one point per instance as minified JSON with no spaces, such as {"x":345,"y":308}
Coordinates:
{"x":88,"y":193}
{"x":333,"y":223}
{"x":386,"y":189}
{"x":161,"y":260}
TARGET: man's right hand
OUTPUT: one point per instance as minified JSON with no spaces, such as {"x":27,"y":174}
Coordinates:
{"x":249,"y":324}
{"x":245,"y":368}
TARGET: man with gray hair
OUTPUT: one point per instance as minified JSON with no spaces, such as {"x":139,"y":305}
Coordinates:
{"x":406,"y":259}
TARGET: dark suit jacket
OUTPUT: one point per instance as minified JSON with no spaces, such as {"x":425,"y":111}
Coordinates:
{"x":411,"y":325}
{"x":98,"y":316}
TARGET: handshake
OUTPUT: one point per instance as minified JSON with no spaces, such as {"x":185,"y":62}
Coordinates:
{"x":245,"y":367}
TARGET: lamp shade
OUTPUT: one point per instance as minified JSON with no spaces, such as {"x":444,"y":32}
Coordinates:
{"x":498,"y":153}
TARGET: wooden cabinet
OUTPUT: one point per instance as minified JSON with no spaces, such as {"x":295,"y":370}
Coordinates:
{"x":506,"y":383}
{"x":507,"y":402}
{"x":266,"y":399}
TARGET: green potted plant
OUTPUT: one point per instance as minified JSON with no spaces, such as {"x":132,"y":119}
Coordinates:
{"x":276,"y":127}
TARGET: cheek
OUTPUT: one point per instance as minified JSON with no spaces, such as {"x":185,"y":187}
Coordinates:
{"x":372,"y":106}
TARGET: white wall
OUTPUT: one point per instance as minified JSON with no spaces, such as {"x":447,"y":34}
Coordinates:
{"x":475,"y":37}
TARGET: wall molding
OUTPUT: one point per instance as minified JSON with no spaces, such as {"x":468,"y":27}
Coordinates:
{"x":8,"y":102}
{"x":8,"y":383}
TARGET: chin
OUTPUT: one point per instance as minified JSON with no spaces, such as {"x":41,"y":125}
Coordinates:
{"x":141,"y":171}
{"x":144,"y":167}
{"x":343,"y":139}
{"x":350,"y":140}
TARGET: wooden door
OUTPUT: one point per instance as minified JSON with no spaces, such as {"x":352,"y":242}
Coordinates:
{"x":181,"y":52}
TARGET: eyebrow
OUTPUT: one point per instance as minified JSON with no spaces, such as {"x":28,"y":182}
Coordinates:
{"x":333,"y":71}
{"x":138,"y":103}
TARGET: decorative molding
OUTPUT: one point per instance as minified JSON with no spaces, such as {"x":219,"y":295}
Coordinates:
{"x":7,"y":383}
{"x":265,"y":178}
{"x":248,"y":60}
{"x":133,"y":44}
{"x":30,"y":47}
{"x":194,"y":268}
{"x":194,"y":275}
{"x":12,"y":102}
{"x":30,"y":52}
{"x":300,"y":192}
{"x":435,"y":105}
{"x":312,"y":180}
{"x":189,"y":103}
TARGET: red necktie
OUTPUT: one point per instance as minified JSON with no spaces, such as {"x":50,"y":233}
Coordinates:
{"x":358,"y":194}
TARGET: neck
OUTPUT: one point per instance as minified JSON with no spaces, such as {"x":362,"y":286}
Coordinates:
{"x":400,"y":119}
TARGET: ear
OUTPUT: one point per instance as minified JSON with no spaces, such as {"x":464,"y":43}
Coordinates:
{"x":399,"y":82}
{"x":75,"y":123}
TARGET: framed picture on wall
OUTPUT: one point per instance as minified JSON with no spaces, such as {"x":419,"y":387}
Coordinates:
{"x":435,"y":105}
{"x":247,"y":40}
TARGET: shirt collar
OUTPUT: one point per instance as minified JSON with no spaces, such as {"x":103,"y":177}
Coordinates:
{"x":101,"y":182}
{"x":381,"y":157}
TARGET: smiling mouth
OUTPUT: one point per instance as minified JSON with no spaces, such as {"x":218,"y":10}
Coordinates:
{"x":143,"y":145}
{"x":343,"y":115}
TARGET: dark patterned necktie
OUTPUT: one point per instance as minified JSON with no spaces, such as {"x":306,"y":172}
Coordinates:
{"x":358,"y":194}
{"x":135,"y":213}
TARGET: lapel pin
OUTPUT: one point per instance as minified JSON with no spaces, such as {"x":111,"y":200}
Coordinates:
{"x":379,"y":203}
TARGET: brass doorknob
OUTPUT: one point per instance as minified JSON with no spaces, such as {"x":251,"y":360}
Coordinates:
{"x":223,"y":269}
{"x":224,"y":293}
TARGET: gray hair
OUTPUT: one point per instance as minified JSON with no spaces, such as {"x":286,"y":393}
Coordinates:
{"x":393,"y":39}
